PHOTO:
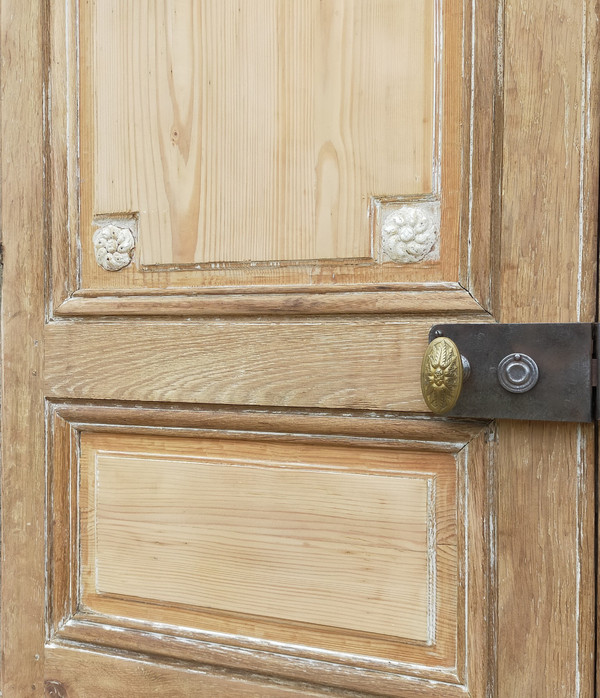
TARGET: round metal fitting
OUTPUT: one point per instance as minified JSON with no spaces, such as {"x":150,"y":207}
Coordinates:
{"x":518,"y":373}
{"x":466,"y":368}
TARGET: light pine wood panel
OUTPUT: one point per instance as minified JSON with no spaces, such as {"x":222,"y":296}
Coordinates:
{"x":258,"y":131}
{"x":447,"y":138}
{"x":312,"y":363}
{"x":277,"y":544}
{"x":335,"y":537}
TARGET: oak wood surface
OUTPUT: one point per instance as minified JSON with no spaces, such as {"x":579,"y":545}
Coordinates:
{"x":22,"y":593}
{"x":100,"y":674}
{"x":137,"y":677}
{"x":370,"y":364}
{"x":545,"y":471}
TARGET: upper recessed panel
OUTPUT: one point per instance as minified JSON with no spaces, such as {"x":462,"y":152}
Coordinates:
{"x":238,"y":131}
{"x":272,"y":145}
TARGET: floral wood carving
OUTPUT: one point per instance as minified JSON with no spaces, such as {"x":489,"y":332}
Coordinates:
{"x":441,"y":375}
{"x":113,"y":247}
{"x":410,"y":233}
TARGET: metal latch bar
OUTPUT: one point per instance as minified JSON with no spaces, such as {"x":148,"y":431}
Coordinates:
{"x":562,"y":353}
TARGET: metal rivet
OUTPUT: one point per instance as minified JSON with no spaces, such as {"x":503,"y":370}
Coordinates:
{"x":518,"y":373}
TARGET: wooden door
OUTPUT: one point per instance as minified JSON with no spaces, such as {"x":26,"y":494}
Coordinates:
{"x":227,"y":228}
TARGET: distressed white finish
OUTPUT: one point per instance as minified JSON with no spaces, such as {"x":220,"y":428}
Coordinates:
{"x":113,"y":247}
{"x":410,"y":233}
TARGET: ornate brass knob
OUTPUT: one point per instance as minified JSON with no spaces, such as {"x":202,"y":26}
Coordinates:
{"x":442,"y":374}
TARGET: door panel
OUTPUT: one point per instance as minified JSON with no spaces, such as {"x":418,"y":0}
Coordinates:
{"x":228,"y":227}
{"x":259,"y":150}
{"x":262,"y":129}
{"x":228,"y":538}
{"x":301,"y":534}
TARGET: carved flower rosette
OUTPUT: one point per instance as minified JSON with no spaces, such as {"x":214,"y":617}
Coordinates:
{"x":410,"y":233}
{"x":113,"y":247}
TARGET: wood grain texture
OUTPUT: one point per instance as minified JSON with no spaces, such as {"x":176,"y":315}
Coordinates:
{"x":102,"y":674}
{"x":258,"y":132}
{"x":62,"y":173}
{"x":293,"y":662}
{"x":353,"y":30}
{"x":360,"y":363}
{"x":482,"y":162}
{"x":477,"y":494}
{"x":420,"y":433}
{"x":99,"y":674}
{"x":62,"y":526}
{"x":333,"y":536}
{"x":545,"y":484}
{"x":545,"y":471}
{"x":22,"y":224}
{"x":538,"y":479}
{"x":297,"y":303}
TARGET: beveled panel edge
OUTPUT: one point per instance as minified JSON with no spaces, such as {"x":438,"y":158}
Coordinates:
{"x":478,"y":607}
{"x":62,"y":177}
{"x":338,"y":427}
{"x":105,"y":674}
{"x":250,"y":654}
{"x":280,"y":302}
{"x":481,"y":164}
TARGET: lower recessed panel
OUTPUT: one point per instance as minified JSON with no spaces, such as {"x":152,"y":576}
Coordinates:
{"x":333,"y":547}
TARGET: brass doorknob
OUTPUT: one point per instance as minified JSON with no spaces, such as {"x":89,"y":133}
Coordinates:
{"x":442,"y":374}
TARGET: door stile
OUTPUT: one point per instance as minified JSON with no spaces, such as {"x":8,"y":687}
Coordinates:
{"x":546,"y":471}
{"x":22,"y":598}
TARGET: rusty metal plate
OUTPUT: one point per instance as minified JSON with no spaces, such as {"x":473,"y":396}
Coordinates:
{"x":563,"y":354}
